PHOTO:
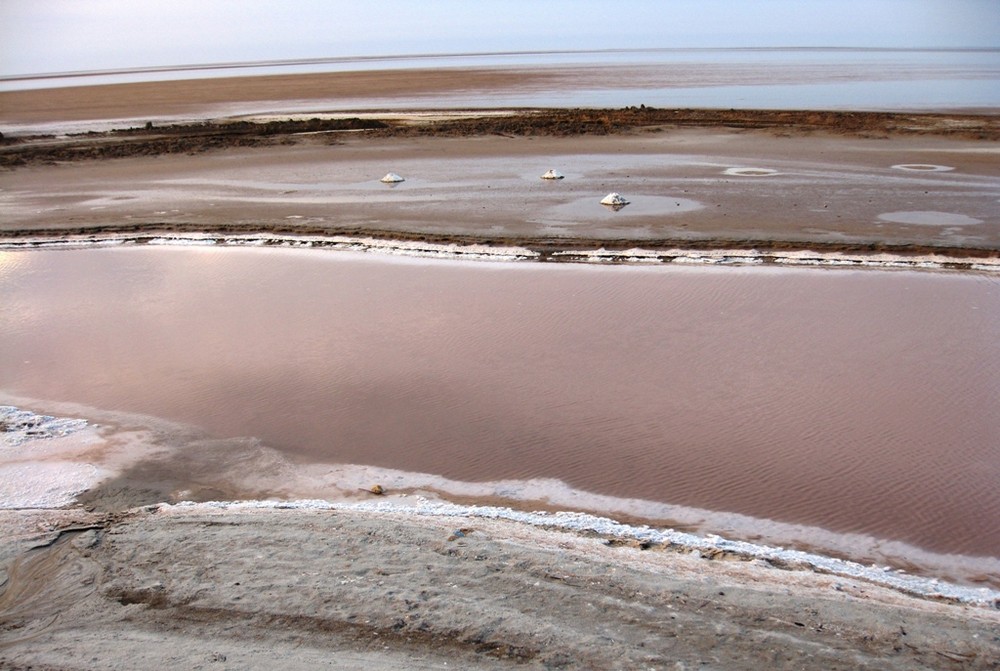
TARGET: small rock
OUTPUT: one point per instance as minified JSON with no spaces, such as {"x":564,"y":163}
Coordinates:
{"x":392,"y":178}
{"x":459,"y":533}
{"x":614,"y":199}
{"x":553,"y":174}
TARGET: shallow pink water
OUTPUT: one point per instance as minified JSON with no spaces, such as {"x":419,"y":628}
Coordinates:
{"x":856,"y":401}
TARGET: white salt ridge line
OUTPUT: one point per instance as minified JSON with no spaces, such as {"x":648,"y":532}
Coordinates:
{"x":181,"y":241}
{"x":512,"y":253}
{"x":574,"y":521}
{"x":393,"y":247}
{"x":754,"y":257}
{"x":347,"y":479}
{"x":75,"y":243}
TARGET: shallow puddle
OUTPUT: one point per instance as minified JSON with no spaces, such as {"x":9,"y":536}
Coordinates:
{"x":930,"y":218}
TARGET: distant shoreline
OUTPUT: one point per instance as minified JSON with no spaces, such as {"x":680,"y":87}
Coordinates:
{"x":395,"y":58}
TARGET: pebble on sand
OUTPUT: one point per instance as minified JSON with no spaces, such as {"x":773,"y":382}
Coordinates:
{"x":553,"y":174}
{"x":391,"y":178}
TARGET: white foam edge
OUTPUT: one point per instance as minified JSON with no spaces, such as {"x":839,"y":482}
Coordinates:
{"x":585,"y":522}
{"x":637,"y":255}
{"x":793,"y":258}
{"x":336,"y":242}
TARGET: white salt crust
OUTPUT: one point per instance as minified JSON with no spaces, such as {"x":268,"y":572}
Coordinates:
{"x":733,"y":257}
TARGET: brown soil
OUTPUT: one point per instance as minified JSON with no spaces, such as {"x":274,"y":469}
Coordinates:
{"x":192,"y":97}
{"x":190,"y":138}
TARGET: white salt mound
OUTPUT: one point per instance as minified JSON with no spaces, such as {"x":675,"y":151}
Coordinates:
{"x":614,"y":198}
{"x":553,"y":174}
{"x":391,"y":178}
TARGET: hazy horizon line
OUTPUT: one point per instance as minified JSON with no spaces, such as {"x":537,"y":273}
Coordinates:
{"x":237,"y":65}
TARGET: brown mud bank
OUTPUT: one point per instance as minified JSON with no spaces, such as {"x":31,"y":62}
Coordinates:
{"x":152,"y":140}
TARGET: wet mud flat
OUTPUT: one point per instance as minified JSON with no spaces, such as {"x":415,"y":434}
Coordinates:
{"x":150,"y":140}
{"x":711,"y":188}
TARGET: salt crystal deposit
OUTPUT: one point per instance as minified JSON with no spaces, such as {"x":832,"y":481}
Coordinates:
{"x":553,"y":174}
{"x":19,"y":426}
{"x":615,"y":200}
{"x":392,"y":178}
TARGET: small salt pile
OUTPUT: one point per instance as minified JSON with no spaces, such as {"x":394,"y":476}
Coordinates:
{"x":553,"y":174}
{"x":391,"y":178}
{"x":614,"y":199}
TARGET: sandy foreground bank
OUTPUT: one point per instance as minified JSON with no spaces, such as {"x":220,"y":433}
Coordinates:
{"x":211,"y":587}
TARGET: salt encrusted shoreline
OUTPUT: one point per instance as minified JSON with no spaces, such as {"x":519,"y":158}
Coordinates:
{"x":710,"y":545}
{"x":23,"y":426}
{"x":488,"y":252}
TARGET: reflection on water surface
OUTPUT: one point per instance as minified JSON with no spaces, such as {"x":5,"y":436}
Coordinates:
{"x":849,"y":400}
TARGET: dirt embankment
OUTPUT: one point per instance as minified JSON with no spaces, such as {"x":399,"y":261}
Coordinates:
{"x":192,"y":138}
{"x":206,"y":588}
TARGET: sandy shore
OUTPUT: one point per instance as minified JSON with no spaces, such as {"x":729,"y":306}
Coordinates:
{"x":217,"y":586}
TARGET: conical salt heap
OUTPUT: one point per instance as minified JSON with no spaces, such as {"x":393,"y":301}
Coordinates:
{"x":553,"y":174}
{"x":391,"y":178}
{"x":614,"y":199}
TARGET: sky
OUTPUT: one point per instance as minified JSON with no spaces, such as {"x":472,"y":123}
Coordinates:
{"x":44,"y":36}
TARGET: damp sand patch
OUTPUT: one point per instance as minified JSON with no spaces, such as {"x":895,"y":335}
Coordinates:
{"x":750,"y":172}
{"x":593,"y":208}
{"x":922,"y":167}
{"x":927,"y":218}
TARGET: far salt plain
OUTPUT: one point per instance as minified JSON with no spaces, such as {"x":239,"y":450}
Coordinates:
{"x":847,"y":412}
